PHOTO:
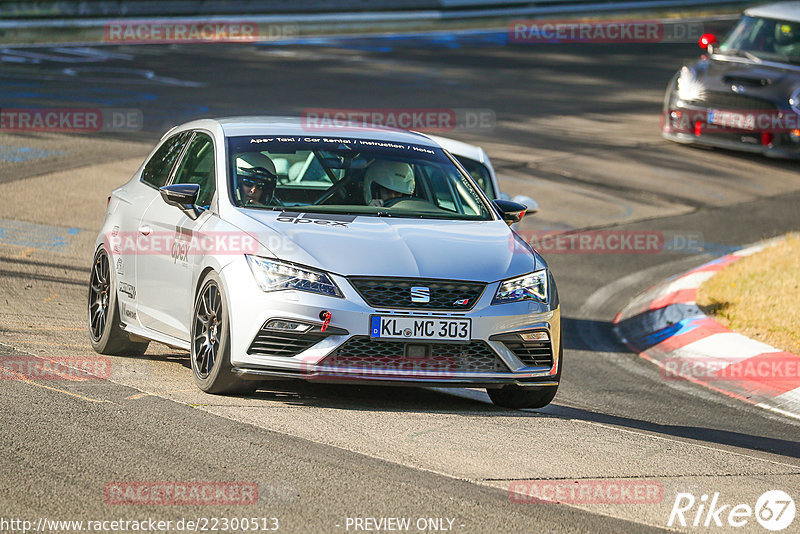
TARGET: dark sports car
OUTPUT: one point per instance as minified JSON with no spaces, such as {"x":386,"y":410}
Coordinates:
{"x":744,"y":93}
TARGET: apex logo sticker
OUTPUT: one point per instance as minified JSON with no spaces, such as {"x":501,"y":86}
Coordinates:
{"x":323,"y":219}
{"x":461,"y":302}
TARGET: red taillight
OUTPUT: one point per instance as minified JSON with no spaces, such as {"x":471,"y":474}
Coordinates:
{"x":698,"y":127}
{"x":108,"y":202}
{"x":766,"y":138}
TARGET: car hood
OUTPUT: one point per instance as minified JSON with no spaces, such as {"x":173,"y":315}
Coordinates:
{"x":386,"y":246}
{"x":774,"y":83}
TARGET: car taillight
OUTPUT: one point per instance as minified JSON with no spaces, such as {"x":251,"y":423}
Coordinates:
{"x":698,"y":127}
{"x":108,"y":201}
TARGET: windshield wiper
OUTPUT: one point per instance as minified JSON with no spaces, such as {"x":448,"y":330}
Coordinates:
{"x":744,"y":53}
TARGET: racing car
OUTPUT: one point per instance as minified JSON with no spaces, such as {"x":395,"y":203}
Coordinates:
{"x":744,"y":93}
{"x":377,"y":260}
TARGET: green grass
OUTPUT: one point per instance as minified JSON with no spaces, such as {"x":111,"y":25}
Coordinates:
{"x":759,"y":295}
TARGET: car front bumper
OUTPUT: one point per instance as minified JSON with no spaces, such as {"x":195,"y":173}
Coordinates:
{"x":494,"y":356}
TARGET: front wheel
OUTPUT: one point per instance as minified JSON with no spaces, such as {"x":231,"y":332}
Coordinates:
{"x":211,"y":348}
{"x":518,"y":397}
{"x":522,"y":397}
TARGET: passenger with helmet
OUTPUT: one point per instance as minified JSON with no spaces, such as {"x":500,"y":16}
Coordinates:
{"x":387,"y":181}
{"x":255,"y":179}
{"x":787,"y":39}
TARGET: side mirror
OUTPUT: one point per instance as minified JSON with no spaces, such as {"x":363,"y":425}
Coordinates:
{"x":707,"y":42}
{"x":184,"y":196}
{"x":531,"y":204}
{"x":511,"y":211}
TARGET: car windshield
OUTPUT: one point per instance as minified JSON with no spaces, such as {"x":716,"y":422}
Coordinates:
{"x":769,"y":39}
{"x":357,"y":176}
{"x":480,"y":173}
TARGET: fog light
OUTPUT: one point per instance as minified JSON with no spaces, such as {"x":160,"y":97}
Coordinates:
{"x":535,"y":336}
{"x":289,"y":326}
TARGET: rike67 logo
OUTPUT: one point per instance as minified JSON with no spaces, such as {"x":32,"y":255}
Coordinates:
{"x":774,"y":510}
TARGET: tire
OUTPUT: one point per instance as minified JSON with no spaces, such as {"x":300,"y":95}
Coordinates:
{"x":210,"y":343}
{"x":518,"y":397}
{"x":105,"y":328}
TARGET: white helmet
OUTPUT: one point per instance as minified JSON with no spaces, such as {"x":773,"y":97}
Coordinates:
{"x":394,"y":175}
{"x":248,"y":160}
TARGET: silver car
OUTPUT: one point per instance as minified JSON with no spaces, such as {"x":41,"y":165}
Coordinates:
{"x":269,"y":250}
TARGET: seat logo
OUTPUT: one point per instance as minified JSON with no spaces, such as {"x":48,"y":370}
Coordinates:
{"x":421,"y":295}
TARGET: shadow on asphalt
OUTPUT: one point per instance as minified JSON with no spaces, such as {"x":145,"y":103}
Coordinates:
{"x":576,"y":332}
{"x":474,"y":402}
{"x":404,"y":399}
{"x":711,"y":435}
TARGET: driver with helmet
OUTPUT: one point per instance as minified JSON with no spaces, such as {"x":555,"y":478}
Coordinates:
{"x":255,"y":179}
{"x":787,"y":39}
{"x":386,"y":181}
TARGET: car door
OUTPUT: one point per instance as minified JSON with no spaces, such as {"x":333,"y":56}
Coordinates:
{"x":133,"y":201}
{"x":165,"y":274}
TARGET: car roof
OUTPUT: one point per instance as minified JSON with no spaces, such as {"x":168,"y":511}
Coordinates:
{"x":460,"y":148}
{"x":297,"y":126}
{"x":780,"y":10}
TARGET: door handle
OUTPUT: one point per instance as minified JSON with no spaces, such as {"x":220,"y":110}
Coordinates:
{"x":144,"y":230}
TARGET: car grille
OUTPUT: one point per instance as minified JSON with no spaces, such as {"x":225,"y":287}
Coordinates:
{"x":396,"y":293}
{"x":361,"y":352}
{"x":275,"y":343}
{"x":734,"y":102}
{"x":534,"y":353}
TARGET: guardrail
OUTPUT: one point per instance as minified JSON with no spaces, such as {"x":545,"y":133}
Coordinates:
{"x":446,"y":9}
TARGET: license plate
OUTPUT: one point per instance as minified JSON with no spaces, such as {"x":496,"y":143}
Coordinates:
{"x":731,"y":119}
{"x":392,"y":327}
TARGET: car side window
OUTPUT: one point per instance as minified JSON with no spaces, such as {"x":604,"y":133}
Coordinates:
{"x":156,"y":171}
{"x":197,"y":167}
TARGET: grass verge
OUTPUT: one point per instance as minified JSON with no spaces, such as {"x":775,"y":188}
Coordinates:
{"x":759,"y":295}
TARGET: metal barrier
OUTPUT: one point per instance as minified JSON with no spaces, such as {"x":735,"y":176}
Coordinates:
{"x":443,"y":9}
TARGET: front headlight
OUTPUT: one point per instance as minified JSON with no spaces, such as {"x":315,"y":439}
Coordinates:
{"x":529,"y":287}
{"x":690,"y":88}
{"x":794,"y":100}
{"x":273,"y":275}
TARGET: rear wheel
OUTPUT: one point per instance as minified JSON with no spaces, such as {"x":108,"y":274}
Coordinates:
{"x":211,"y":349}
{"x":527,"y":397}
{"x":105,"y":330}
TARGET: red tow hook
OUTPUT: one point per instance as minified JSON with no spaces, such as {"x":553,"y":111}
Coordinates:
{"x":325,"y":315}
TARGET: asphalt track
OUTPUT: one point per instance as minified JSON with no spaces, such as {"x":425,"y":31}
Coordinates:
{"x":577,"y":129}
